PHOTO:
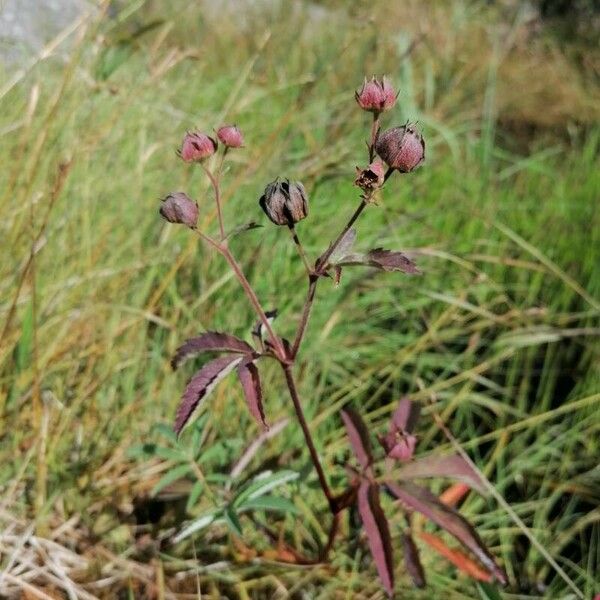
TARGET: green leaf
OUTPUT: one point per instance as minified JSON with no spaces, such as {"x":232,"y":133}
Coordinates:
{"x":269,"y":503}
{"x":264,"y":483}
{"x":141,"y":451}
{"x":170,"y":477}
{"x":194,"y":495}
{"x":166,"y":431}
{"x":170,"y":454}
{"x":233,"y":521}
{"x":205,"y":520}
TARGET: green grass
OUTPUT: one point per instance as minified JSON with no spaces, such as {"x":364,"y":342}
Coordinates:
{"x":499,"y":336}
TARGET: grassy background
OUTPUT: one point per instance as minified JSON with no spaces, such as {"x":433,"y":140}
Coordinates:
{"x":499,"y":336}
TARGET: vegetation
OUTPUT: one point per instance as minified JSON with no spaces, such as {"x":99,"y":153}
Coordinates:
{"x":498,"y":339}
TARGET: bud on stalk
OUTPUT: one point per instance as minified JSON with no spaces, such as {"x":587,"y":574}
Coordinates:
{"x":376,"y":96}
{"x":401,"y":148}
{"x":197,"y":146}
{"x":284,"y":202}
{"x":230,"y":136}
{"x":179,"y":208}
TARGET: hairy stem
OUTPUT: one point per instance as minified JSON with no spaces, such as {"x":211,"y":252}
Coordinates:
{"x":289,"y":378}
{"x":374,"y":132}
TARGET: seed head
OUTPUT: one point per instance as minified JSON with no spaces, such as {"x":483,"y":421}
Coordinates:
{"x":371,"y":177}
{"x":284,"y":202}
{"x":179,"y":208}
{"x":401,"y":148}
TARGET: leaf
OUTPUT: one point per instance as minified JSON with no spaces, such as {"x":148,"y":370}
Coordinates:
{"x":422,"y":500}
{"x":412,"y":560}
{"x":170,"y":477}
{"x":232,"y":521}
{"x":263,"y":483}
{"x":211,"y":341}
{"x":459,"y":559}
{"x":194,"y":495}
{"x":406,"y":416}
{"x":200,"y":386}
{"x":384,"y":260}
{"x":454,"y":494}
{"x":166,"y":431}
{"x":198,"y":524}
{"x":242,"y":228}
{"x":378,"y":533}
{"x":359,"y":436}
{"x":344,"y":247}
{"x":250,"y":380}
{"x":269,"y":503}
{"x":454,"y":467}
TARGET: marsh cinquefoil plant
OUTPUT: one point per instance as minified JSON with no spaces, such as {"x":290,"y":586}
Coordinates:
{"x":397,"y":150}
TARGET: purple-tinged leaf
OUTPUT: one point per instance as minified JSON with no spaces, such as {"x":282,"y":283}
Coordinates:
{"x":211,"y":341}
{"x":414,"y":497}
{"x":378,"y":532}
{"x":391,"y":261}
{"x":250,"y":380}
{"x":406,"y":415}
{"x":453,"y":467}
{"x":384,"y":260}
{"x":200,"y":386}
{"x":412,"y":560}
{"x":359,"y":437}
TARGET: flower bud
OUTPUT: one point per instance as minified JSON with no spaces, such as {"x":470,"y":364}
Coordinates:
{"x":284,"y":202}
{"x":197,"y":146}
{"x":401,"y":148}
{"x":376,"y":96}
{"x":179,"y":208}
{"x":371,"y":177}
{"x":230,"y":136}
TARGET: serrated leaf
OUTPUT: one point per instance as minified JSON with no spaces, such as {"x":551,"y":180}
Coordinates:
{"x":378,"y":533}
{"x":264,"y":483}
{"x":250,"y":380}
{"x":422,"y":500}
{"x":211,"y":341}
{"x":170,"y":477}
{"x":194,"y":495}
{"x":384,"y":260}
{"x":232,"y":521}
{"x":199,"y":524}
{"x":269,"y":503}
{"x":358,"y":436}
{"x":200,"y":386}
{"x":453,"y":467}
{"x":412,"y":560}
